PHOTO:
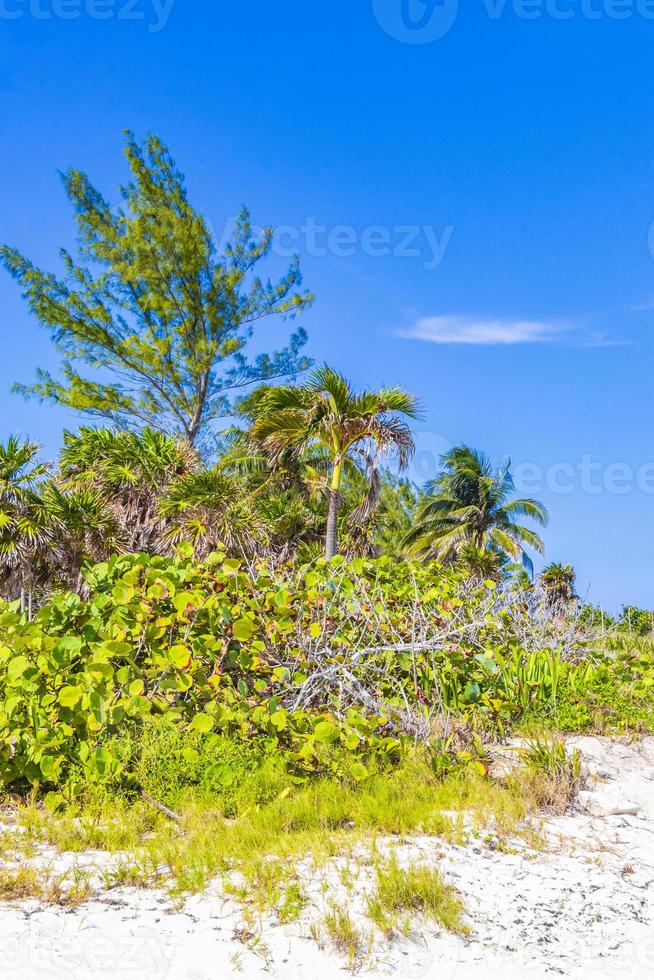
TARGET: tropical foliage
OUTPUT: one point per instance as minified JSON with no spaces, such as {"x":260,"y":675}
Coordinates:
{"x":342,"y":428}
{"x":276,"y":588}
{"x":559,"y":582}
{"x":294,"y":662}
{"x":470,"y":504}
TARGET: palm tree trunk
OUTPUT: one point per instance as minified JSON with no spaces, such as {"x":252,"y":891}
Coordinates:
{"x":331,"y":540}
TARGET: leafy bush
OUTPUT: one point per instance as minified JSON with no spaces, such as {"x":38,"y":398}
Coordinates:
{"x":215,"y":649}
{"x":594,"y":617}
{"x":334,"y":667}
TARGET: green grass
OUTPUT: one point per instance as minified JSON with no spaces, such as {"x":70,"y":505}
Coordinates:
{"x":264,"y":841}
{"x":249,"y":839}
{"x":550,"y":775}
{"x":417,"y":889}
{"x":609,"y":707}
{"x":345,"y":936}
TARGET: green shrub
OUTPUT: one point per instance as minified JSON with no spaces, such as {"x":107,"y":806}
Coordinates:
{"x":171,"y":764}
{"x":213,"y":649}
{"x":316,"y":668}
{"x":640,"y":622}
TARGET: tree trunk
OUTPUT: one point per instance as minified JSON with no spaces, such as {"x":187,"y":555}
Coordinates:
{"x":331,"y":540}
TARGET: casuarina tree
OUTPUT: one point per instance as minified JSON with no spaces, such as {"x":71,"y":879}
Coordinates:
{"x":151,"y":319}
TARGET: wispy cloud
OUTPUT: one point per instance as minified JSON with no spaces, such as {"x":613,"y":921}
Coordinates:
{"x":479,"y":330}
{"x":583,"y":331}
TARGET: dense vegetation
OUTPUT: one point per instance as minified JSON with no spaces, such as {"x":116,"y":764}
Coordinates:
{"x":272,"y":589}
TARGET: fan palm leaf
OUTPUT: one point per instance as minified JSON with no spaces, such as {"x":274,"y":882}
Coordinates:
{"x":470,"y":506}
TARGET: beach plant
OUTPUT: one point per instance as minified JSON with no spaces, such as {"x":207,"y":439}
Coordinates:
{"x":471,"y":504}
{"x":350,"y":428}
{"x":554,"y":775}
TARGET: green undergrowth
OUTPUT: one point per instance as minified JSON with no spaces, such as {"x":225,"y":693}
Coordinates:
{"x":608,"y":709}
{"x":267,"y":822}
{"x":610,"y":692}
{"x":301,"y":672}
{"x":266,"y":841}
{"x":416,"y":889}
{"x":197,"y":723}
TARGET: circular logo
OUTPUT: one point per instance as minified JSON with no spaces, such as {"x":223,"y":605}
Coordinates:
{"x":650,"y":239}
{"x":416,"y":21}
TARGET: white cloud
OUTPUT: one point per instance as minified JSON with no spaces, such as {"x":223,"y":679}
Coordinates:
{"x":476,"y":330}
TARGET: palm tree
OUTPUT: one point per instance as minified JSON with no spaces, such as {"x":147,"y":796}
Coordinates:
{"x":210,"y":508}
{"x":47,"y":531}
{"x":22,"y":531}
{"x":479,"y":564}
{"x":326,"y":417}
{"x":521,"y":581}
{"x":470,"y":503}
{"x":81,"y":527}
{"x":131,"y":470}
{"x":559,"y":583}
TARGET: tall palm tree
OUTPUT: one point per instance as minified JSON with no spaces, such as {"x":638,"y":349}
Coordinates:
{"x":342,"y":428}
{"x":470,"y":503}
{"x":559,"y":583}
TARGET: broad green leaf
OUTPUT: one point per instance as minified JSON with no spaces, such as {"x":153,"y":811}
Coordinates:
{"x":278,"y":719}
{"x":180,"y":656}
{"x":242,"y":629}
{"x":17,"y":667}
{"x":202,"y":722}
{"x":70,"y":696}
{"x":184,"y":599}
{"x":122,"y":594}
{"x":326,"y":732}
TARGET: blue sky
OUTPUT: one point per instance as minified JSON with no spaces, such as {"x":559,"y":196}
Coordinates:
{"x":512,"y":158}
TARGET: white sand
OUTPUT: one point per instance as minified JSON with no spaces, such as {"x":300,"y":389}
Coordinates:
{"x":584,"y":908}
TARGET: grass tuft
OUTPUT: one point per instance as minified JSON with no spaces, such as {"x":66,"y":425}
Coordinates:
{"x":417,"y":889}
{"x":345,"y":936}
